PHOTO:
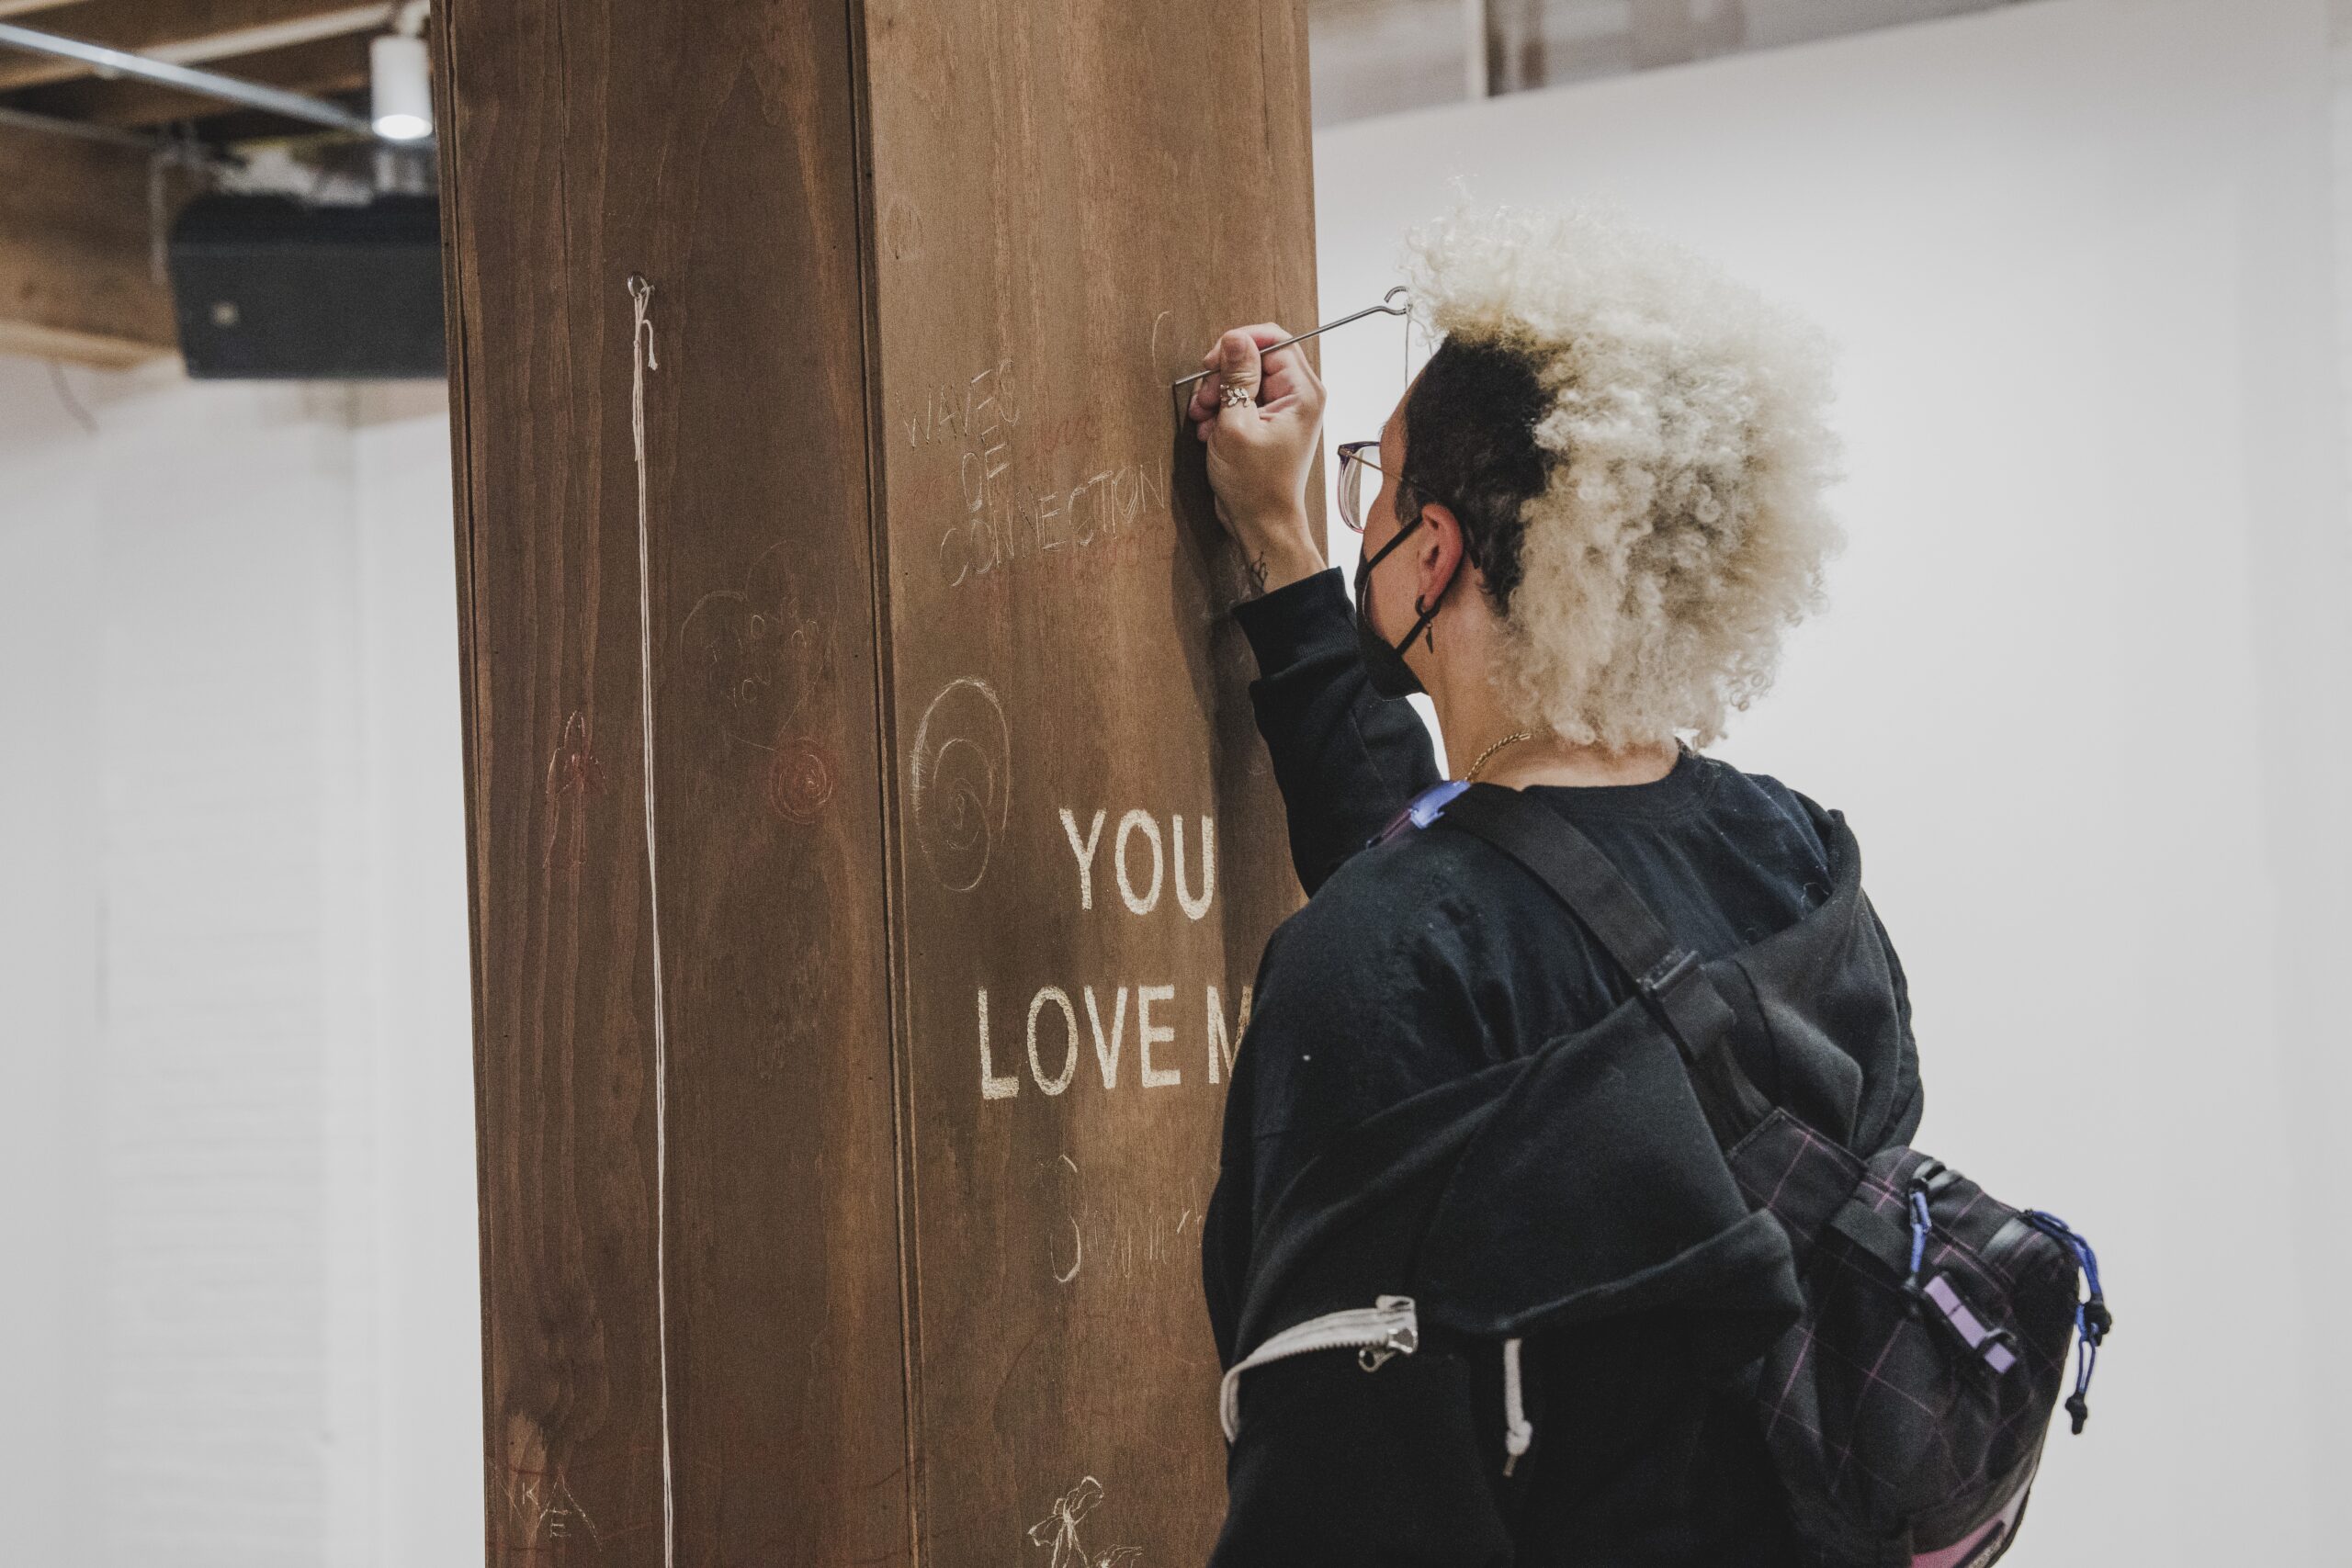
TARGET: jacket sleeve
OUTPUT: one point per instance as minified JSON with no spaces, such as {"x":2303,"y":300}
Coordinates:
{"x":1909,"y":1096}
{"x":1347,"y":758}
{"x":1340,"y":1468}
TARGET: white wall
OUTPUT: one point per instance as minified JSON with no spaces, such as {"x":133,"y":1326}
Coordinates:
{"x":235,"y":1083}
{"x":2080,"y":693}
{"x":2081,"y":690}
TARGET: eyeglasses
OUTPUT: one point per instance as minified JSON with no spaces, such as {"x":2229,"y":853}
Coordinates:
{"x":1353,"y":464}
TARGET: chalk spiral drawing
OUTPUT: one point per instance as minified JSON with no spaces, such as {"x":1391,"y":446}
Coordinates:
{"x":800,"y":780}
{"x":644,"y":358}
{"x":1059,"y":1530}
{"x":963,"y":781}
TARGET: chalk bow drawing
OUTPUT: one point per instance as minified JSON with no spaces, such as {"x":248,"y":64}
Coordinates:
{"x":1059,"y":1530}
{"x":961,"y":769}
{"x":757,"y":656}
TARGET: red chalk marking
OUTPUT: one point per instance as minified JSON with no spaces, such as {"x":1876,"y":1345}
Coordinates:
{"x":799,"y":781}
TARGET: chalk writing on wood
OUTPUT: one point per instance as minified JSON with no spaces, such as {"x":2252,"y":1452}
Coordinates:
{"x":1140,"y":873}
{"x":543,"y":1513}
{"x":1026,"y":496}
{"x":961,"y":775}
{"x":759,"y":663}
{"x":1059,"y":1531}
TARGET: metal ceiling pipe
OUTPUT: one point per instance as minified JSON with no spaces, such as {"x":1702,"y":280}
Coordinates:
{"x":80,"y":130}
{"x":186,"y":78}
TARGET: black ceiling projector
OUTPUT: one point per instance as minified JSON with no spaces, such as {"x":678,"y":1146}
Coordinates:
{"x":267,"y":287}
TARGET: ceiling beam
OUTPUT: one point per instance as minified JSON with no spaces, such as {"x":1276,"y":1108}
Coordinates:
{"x":320,"y":67}
{"x":76,"y":278}
{"x":111,"y":63}
{"x":189,"y":32}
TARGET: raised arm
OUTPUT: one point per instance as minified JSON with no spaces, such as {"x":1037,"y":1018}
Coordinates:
{"x":1347,"y":759}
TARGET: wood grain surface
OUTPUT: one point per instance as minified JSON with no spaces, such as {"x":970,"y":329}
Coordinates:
{"x":706,"y":146}
{"x":1073,"y":200}
{"x":935,"y":587}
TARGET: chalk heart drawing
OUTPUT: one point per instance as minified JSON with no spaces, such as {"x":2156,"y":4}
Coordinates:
{"x":1059,"y":1531}
{"x":961,"y":769}
{"x":756,"y":656}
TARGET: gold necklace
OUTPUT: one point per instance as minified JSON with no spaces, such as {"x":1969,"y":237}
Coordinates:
{"x":1472,"y":776}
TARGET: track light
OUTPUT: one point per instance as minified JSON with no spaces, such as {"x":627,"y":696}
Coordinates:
{"x":401,"y":74}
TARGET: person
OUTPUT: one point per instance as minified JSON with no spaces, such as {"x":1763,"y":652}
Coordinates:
{"x":1586,"y":526}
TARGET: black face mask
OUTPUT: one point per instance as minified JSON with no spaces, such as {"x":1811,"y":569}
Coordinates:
{"x":1383,"y":663}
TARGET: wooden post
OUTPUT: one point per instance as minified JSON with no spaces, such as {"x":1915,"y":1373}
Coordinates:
{"x":865,"y":1228}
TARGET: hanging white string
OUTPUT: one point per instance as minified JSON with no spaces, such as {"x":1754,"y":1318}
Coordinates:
{"x":644,"y":358}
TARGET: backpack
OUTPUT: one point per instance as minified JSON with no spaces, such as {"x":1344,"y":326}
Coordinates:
{"x":1905,"y":1410}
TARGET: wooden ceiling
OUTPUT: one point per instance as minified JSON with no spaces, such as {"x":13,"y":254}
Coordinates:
{"x":76,"y":277}
{"x":312,"y":46}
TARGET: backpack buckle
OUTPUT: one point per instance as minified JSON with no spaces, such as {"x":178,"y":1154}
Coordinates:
{"x":1666,"y":973}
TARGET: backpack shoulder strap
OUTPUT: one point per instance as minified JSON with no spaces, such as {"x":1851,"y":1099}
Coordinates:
{"x":1668,"y":976}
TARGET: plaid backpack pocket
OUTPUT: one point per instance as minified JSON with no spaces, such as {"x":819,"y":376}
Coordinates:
{"x":1906,"y":1412}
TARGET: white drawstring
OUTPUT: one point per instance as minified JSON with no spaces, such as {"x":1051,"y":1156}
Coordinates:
{"x":643,"y":358}
{"x":1517,"y":1432}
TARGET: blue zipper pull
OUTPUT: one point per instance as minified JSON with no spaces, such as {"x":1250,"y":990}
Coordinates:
{"x":2092,"y":1320}
{"x":1919,"y":1223}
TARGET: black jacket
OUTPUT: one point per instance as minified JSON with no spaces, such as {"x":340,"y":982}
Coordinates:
{"x":1422,"y":1106}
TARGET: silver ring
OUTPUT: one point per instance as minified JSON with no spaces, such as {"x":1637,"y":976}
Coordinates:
{"x":1234,"y":396}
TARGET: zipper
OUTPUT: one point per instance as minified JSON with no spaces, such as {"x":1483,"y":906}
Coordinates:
{"x":1388,"y":1327}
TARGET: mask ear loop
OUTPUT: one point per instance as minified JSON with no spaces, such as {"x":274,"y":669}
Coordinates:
{"x":1428,"y":613}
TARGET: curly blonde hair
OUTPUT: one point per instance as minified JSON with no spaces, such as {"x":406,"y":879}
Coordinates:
{"x":1679,"y":529}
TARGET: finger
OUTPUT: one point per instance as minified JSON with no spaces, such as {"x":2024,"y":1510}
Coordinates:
{"x":1287,"y":374}
{"x":1205,"y":396}
{"x":1283,"y":373}
{"x":1204,"y":391}
{"x":1237,"y":369}
{"x":1260,"y":332}
{"x":1203,"y":402}
{"x":1286,"y":370}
